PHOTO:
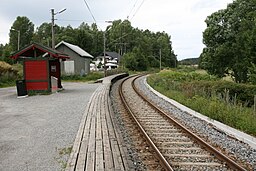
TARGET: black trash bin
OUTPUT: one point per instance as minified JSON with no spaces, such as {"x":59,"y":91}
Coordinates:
{"x":21,"y":88}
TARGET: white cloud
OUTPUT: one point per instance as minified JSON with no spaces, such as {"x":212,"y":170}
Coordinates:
{"x":183,"y":19}
{"x":4,"y":30}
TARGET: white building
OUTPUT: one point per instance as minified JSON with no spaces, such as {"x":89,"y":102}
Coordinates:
{"x":112,"y":61}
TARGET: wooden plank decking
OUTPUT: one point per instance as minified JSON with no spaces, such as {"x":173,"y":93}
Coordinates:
{"x":98,"y":145}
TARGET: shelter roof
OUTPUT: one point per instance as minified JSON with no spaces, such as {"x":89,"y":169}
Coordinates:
{"x":37,"y":50}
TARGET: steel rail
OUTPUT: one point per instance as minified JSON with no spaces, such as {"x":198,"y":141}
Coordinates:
{"x":218,"y":154}
{"x":162,"y":159}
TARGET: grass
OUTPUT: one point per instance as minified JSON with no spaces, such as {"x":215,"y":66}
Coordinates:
{"x":92,"y":76}
{"x":219,"y":106}
{"x":7,"y":83}
{"x":63,"y":155}
{"x":41,"y":92}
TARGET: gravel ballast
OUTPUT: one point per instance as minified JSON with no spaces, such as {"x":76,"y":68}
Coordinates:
{"x":238,"y":149}
{"x":36,"y":131}
{"x":120,"y":120}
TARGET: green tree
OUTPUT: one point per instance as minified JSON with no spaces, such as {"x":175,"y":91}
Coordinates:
{"x":167,"y":56}
{"x":230,"y":40}
{"x":129,"y":61}
{"x":67,"y":34}
{"x":97,"y":40}
{"x":5,"y":53}
{"x":115,"y":36}
{"x":1,"y":49}
{"x":84,"y":39}
{"x":26,"y":29}
{"x":43,"y":34}
{"x":140,"y":47}
{"x":252,"y":73}
{"x":216,"y":57}
{"x":135,"y":60}
{"x":123,"y":38}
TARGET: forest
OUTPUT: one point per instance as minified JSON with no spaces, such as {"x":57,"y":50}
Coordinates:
{"x":140,"y":48}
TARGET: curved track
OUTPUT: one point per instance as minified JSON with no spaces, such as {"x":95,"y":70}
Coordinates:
{"x":175,"y":146}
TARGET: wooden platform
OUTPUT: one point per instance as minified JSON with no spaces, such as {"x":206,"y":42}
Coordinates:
{"x":98,"y":144}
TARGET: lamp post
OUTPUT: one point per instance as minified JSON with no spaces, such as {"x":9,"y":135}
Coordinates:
{"x":18,"y":37}
{"x":104,"y":49}
{"x":53,"y":14}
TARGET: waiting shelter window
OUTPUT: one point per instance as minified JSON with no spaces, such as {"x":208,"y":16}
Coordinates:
{"x":53,"y":68}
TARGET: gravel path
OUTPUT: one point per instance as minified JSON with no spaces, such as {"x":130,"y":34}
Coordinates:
{"x":36,"y":131}
{"x":238,"y":149}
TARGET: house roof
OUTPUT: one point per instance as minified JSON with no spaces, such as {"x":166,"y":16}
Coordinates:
{"x":75,"y":48}
{"x":111,"y":54}
{"x":36,"y":50}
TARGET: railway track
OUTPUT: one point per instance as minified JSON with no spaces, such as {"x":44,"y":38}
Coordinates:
{"x":175,"y":147}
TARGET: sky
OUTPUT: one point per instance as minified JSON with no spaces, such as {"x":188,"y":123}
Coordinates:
{"x":182,"y":19}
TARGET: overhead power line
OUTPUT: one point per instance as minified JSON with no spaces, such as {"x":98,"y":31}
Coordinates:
{"x":137,"y":9}
{"x":119,"y":38}
{"x":133,"y":7}
{"x":75,"y":20}
{"x":90,"y":11}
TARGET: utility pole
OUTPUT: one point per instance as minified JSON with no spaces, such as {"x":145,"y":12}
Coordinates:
{"x":123,"y":48}
{"x":53,"y":14}
{"x":18,"y":38}
{"x":53,"y":39}
{"x":104,"y":50}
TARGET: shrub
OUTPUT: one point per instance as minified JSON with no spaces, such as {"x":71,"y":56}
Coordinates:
{"x":192,"y":83}
{"x":8,"y":74}
{"x":6,"y":68}
{"x":215,"y":98}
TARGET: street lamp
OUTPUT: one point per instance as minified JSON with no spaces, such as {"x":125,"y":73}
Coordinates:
{"x":18,"y":37}
{"x":53,"y":14}
{"x":104,"y":49}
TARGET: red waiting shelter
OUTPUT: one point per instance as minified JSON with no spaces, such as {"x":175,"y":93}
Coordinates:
{"x":40,"y":63}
